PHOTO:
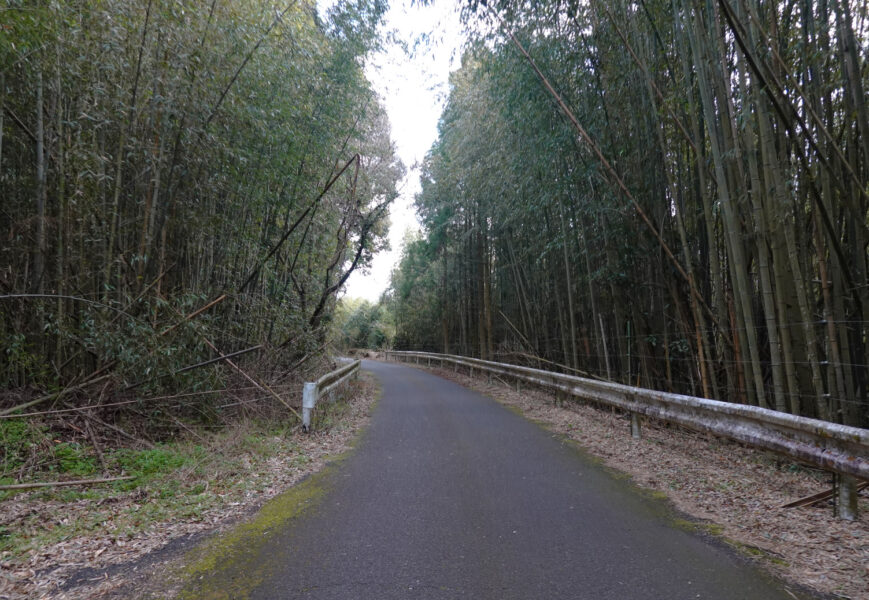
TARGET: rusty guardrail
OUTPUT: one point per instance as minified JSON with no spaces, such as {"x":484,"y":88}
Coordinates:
{"x":312,"y":392}
{"x":840,"y":449}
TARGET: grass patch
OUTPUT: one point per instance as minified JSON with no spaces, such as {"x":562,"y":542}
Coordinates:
{"x":73,"y":459}
{"x":174,"y":481}
{"x":144,"y":463}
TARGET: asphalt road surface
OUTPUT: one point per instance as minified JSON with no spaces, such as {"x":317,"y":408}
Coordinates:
{"x":450,"y":495}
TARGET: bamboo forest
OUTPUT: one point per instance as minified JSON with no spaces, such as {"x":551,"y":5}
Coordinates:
{"x":414,"y":298}
{"x":669,"y":194}
{"x":181,"y":179}
{"x":663,"y":193}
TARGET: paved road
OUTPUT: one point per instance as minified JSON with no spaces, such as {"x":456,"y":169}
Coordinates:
{"x":449,"y":495}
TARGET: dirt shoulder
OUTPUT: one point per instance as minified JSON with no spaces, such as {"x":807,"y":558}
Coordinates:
{"x":111,"y":545}
{"x":734,"y":492}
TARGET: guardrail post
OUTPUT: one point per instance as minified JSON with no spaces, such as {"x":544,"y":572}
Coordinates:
{"x":846,"y":497}
{"x":309,"y":400}
{"x":635,"y":425}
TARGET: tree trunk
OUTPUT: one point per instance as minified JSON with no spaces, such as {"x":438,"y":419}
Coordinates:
{"x":574,"y":357}
{"x":41,"y":191}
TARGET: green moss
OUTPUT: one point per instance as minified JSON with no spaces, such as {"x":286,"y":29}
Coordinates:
{"x":712,"y":529}
{"x":587,"y":456}
{"x":8,"y":539}
{"x":657,"y":494}
{"x":755,"y":553}
{"x":19,"y":441}
{"x":231,"y":565}
{"x":514,"y":409}
{"x":150,"y":462}
{"x":717,"y":531}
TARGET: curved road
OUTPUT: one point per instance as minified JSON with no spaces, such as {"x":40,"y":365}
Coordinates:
{"x":450,"y":495}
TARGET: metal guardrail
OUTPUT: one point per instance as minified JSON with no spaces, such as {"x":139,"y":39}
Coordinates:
{"x":312,"y":392}
{"x":840,"y":449}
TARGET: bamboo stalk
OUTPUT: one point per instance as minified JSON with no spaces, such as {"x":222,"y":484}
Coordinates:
{"x":195,"y":314}
{"x":42,"y":484}
{"x":53,"y":396}
{"x":608,"y":166}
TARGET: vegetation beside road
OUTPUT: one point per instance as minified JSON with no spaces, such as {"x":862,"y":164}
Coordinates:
{"x":195,"y":483}
{"x":671,"y":195}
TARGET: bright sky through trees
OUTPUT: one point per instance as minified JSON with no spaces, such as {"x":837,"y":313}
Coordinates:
{"x":411,"y":75}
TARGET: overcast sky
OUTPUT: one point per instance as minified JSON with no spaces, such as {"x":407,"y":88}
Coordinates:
{"x":413,"y":87}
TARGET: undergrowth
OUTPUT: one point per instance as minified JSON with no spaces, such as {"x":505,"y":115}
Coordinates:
{"x":177,"y":480}
{"x":193,"y":480}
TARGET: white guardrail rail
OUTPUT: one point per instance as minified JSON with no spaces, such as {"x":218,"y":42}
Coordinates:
{"x":312,"y":392}
{"x":840,"y":449}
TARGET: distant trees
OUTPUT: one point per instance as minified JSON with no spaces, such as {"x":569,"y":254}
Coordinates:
{"x":737,"y":267}
{"x":358,"y":323}
{"x":417,"y":300}
{"x":158,"y":155}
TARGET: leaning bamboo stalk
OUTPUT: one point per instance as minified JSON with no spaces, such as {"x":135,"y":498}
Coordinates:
{"x":261,"y":386}
{"x":820,"y":497}
{"x":219,"y":358}
{"x":42,"y":484}
{"x":53,"y":396}
{"x":194,"y":314}
{"x":93,"y":379}
{"x":198,"y":365}
{"x":85,"y":412}
{"x":126,"y":402}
